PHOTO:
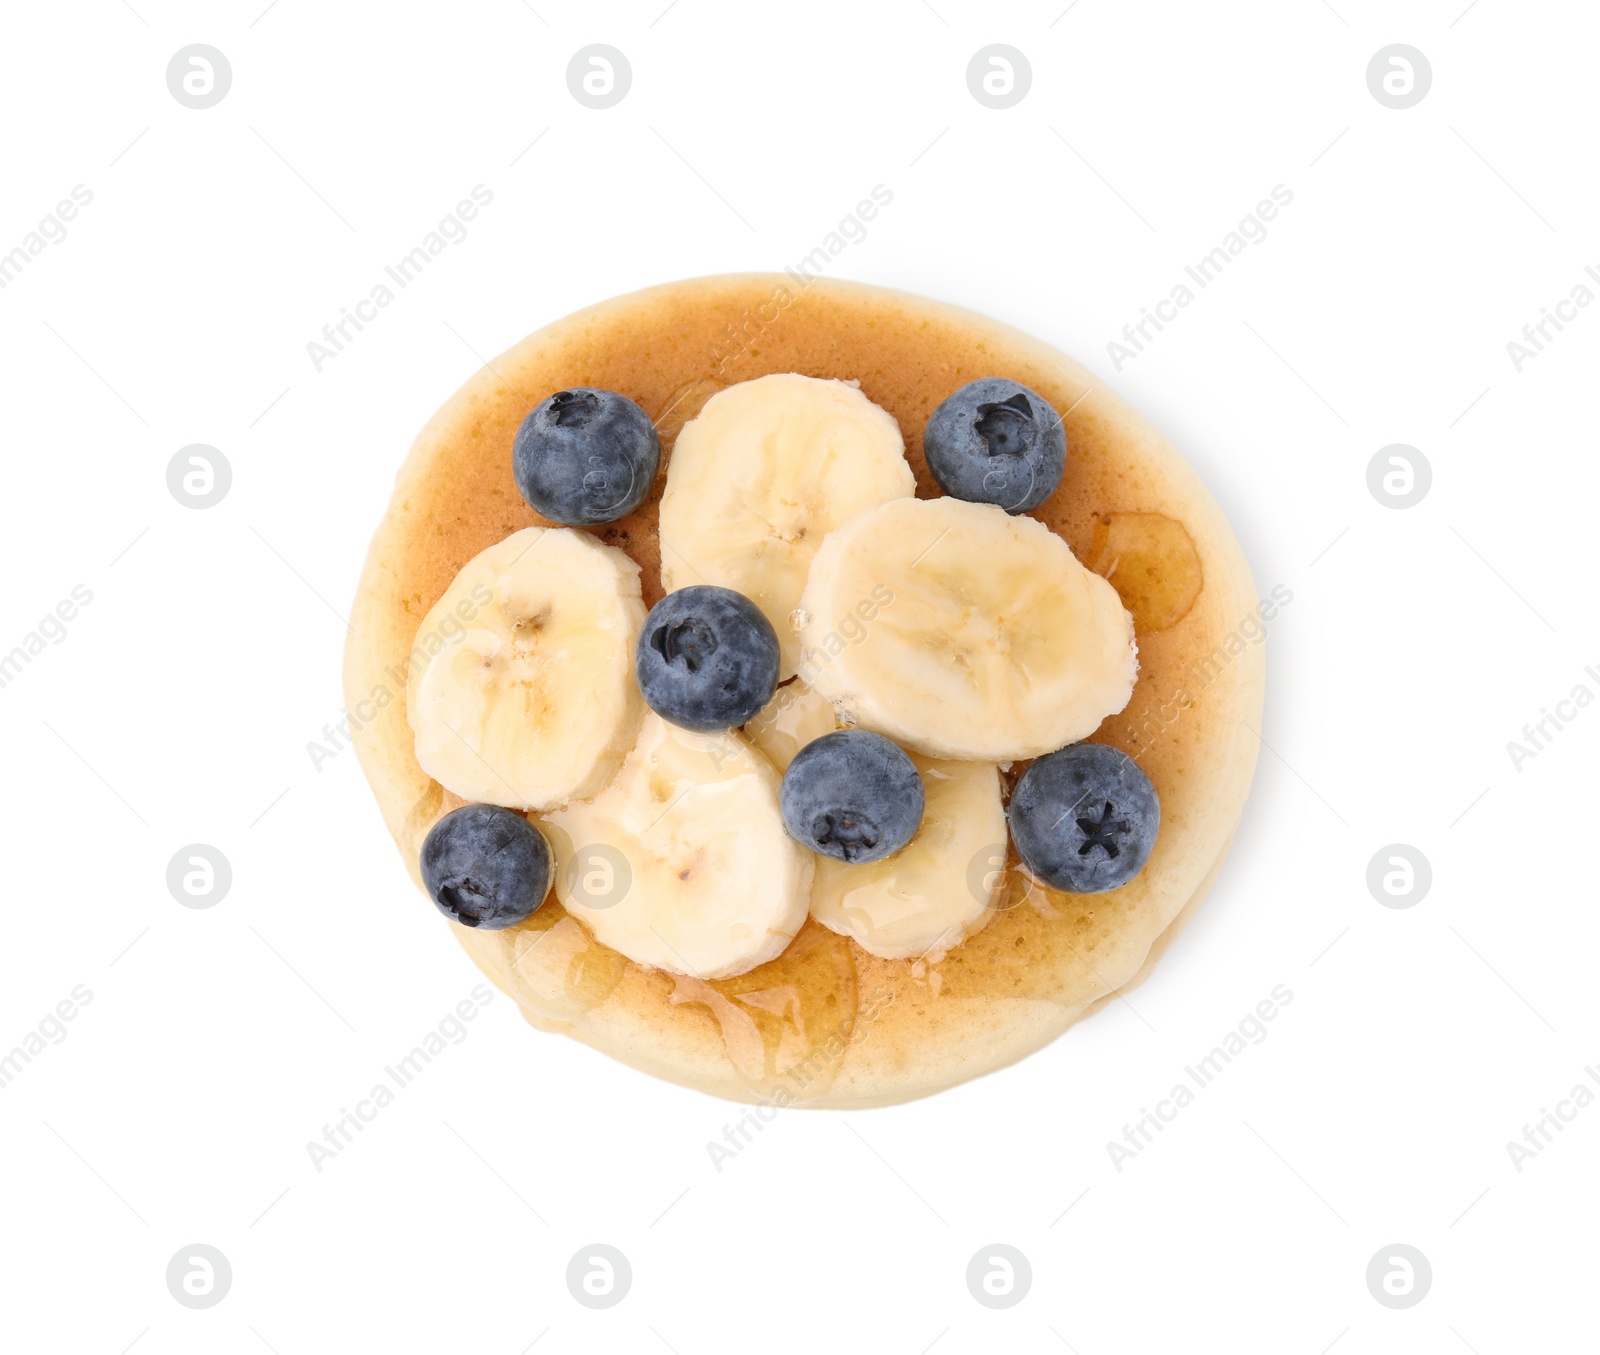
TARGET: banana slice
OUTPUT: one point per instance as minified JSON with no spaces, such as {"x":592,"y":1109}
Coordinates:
{"x":527,"y":698}
{"x":788,"y":722}
{"x":682,"y":862}
{"x":962,"y":632}
{"x":756,"y":481}
{"x":935,"y":891}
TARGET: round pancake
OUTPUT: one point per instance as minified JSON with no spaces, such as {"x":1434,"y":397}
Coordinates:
{"x":827,"y":1024}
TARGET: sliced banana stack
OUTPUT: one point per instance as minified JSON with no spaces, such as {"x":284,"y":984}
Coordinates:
{"x":681,"y":862}
{"x":528,"y":697}
{"x":762,"y":475}
{"x":994,"y":642}
{"x":935,"y":891}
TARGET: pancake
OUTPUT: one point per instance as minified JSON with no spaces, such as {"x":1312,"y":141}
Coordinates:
{"x":827,"y":1024}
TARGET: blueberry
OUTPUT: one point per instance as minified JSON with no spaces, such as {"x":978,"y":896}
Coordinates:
{"x":1084,"y":818}
{"x":585,"y":456}
{"x":852,"y":795}
{"x":995,"y":441}
{"x":707,"y":658}
{"x":486,"y":866}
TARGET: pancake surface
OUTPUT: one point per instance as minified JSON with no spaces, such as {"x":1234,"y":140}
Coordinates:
{"x":827,"y":1024}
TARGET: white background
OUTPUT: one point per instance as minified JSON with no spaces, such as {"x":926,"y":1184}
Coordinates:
{"x":179,"y":706}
